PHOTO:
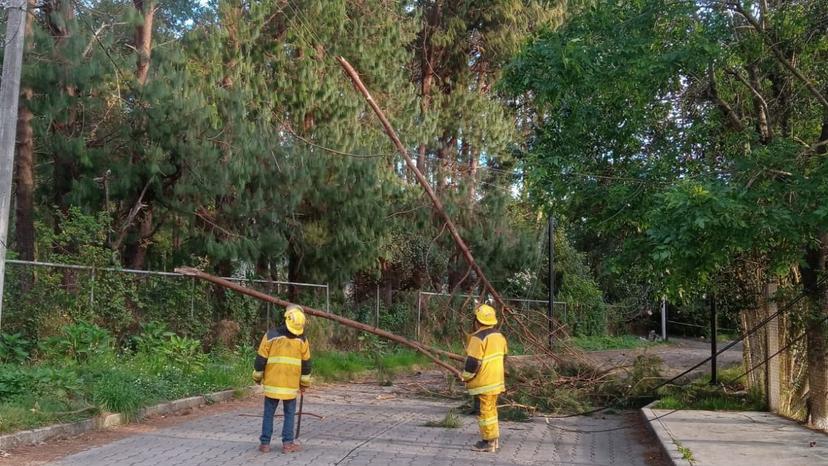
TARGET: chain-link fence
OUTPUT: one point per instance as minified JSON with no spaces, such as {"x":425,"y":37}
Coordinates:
{"x":42,"y":297}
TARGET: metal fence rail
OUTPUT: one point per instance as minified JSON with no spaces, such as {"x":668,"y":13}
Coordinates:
{"x":95,"y":271}
{"x":103,"y":289}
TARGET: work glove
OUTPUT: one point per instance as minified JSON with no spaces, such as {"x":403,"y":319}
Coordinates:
{"x":304,"y":382}
{"x":257,"y":376}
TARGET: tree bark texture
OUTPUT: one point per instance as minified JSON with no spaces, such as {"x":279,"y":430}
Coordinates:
{"x":817,"y":333}
{"x":24,"y":168}
{"x":143,"y":38}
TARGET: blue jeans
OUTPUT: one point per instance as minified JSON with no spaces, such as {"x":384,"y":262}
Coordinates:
{"x":270,"y":405}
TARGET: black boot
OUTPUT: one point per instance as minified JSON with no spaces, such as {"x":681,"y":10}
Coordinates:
{"x":487,"y":446}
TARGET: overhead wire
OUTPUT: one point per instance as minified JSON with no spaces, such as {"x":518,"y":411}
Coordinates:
{"x":653,"y":391}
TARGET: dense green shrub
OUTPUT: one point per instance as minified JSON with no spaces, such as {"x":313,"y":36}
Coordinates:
{"x":14,"y":349}
{"x":13,"y":382}
{"x":78,"y":342}
{"x":152,"y":336}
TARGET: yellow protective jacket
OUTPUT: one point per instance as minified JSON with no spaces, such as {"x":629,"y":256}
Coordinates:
{"x":285,"y":360}
{"x":485,"y":353}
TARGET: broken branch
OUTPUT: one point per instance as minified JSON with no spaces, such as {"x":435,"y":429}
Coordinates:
{"x":428,"y":352}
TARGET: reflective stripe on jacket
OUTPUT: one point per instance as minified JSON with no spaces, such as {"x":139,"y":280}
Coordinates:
{"x":483,"y":371}
{"x":285,"y":360}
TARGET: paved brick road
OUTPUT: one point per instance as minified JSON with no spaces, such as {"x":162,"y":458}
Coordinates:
{"x":363,"y":425}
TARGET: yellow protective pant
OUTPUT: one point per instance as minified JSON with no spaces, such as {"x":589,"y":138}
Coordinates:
{"x":487,"y":419}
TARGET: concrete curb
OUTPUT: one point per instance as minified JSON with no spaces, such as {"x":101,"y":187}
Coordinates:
{"x":106,"y":420}
{"x":665,"y":438}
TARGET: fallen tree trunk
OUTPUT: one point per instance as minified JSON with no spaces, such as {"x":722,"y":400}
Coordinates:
{"x":441,"y":211}
{"x":438,"y":205}
{"x":428,"y":352}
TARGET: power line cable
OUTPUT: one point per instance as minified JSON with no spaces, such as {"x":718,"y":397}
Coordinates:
{"x":790,"y":343}
{"x":654,"y":390}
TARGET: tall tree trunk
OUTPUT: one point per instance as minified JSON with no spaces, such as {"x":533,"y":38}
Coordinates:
{"x":781,"y":84}
{"x":224,"y":268}
{"x":762,"y":124}
{"x":24,"y":183}
{"x":59,"y":17}
{"x":294,"y":267}
{"x":424,"y":105}
{"x":24,"y":169}
{"x":143,"y":38}
{"x":427,"y":74}
{"x":817,"y":335}
{"x":474,"y":161}
{"x":815,"y":268}
{"x":135,"y":254}
{"x":822,"y":149}
{"x":443,"y":162}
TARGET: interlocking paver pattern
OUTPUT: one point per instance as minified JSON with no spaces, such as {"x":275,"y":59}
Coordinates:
{"x":360,"y":428}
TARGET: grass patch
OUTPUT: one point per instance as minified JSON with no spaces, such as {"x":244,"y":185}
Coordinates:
{"x":344,"y":365}
{"x":450,"y":421}
{"x":330,"y":365}
{"x":699,"y":394}
{"x":29,"y":413}
{"x":686,"y":454}
{"x":726,"y":337}
{"x":607,"y":342}
{"x":60,"y":391}
{"x":404,"y":359}
{"x":87,"y":374}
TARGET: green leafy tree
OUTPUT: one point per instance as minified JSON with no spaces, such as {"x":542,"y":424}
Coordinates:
{"x":685,"y":142}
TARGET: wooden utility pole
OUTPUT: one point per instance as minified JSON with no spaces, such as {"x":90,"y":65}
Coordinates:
{"x":9,"y":98}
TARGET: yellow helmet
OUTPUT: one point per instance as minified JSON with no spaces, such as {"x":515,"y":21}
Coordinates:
{"x":486,"y":314}
{"x":295,"y":319}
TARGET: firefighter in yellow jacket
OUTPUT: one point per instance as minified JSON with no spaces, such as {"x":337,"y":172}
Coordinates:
{"x":484,"y":373}
{"x":283,"y":367}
